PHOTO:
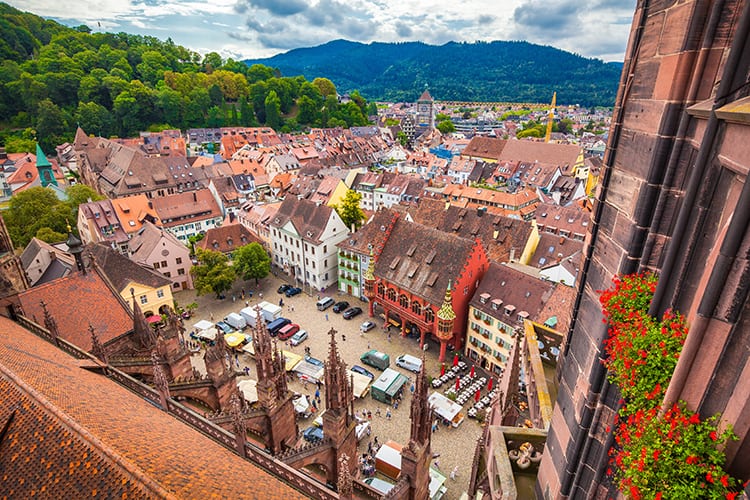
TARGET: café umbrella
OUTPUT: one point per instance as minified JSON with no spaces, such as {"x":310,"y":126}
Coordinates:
{"x":471,"y":374}
{"x":489,"y":385}
{"x":455,"y":360}
{"x":442,"y":370}
{"x":477,"y":395}
{"x":458,"y":383}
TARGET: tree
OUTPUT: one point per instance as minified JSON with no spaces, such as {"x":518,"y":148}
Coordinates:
{"x":273,"y":110}
{"x":349,"y":210}
{"x":402,"y":139}
{"x":213,"y":274}
{"x":50,"y":236}
{"x":33,"y":209}
{"x":78,"y":194}
{"x":325,"y":87}
{"x":446,"y":127}
{"x":252,"y":262}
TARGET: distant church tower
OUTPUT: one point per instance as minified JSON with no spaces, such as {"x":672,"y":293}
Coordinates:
{"x":426,"y":111}
{"x":44,"y":167}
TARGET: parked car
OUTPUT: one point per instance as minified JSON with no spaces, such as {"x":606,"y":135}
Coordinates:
{"x":287,"y":331}
{"x":340,"y":306}
{"x":367,"y":326}
{"x":298,"y":337}
{"x":225,"y":328}
{"x":352,"y":312}
{"x":324,"y":303}
{"x":292,"y":291}
{"x":313,"y":434}
{"x":409,"y":362}
{"x":283,"y":288}
{"x":362,"y":371}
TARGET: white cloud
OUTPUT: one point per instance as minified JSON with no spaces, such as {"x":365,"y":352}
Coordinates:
{"x":594,"y":28}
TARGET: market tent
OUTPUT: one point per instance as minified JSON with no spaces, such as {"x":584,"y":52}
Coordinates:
{"x":203,"y":325}
{"x":249,"y":390}
{"x":445,"y":408}
{"x":249,"y":348}
{"x":361,"y":383}
{"x":209,"y":334}
{"x":291,"y":360}
{"x":234,"y":339}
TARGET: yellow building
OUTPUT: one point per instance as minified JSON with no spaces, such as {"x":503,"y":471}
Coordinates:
{"x":151,"y":290}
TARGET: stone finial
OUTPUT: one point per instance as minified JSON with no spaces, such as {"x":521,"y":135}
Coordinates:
{"x":49,"y":321}
{"x":160,"y":377}
{"x":96,"y":347}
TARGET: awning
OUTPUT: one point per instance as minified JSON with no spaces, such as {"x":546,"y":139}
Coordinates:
{"x":153,"y":319}
{"x":249,"y":390}
{"x":234,"y":339}
{"x":203,"y":325}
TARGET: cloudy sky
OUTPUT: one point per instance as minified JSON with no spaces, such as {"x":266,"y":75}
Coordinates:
{"x":261,"y":28}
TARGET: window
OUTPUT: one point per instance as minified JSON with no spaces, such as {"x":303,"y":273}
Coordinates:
{"x":181,"y":271}
{"x":325,"y":248}
{"x":144,"y":299}
{"x":156,"y":265}
{"x":416,"y":308}
{"x":164,"y":263}
{"x":325,"y":263}
{"x":160,"y":293}
{"x":178,"y":260}
{"x":403,"y":301}
{"x":167,"y":274}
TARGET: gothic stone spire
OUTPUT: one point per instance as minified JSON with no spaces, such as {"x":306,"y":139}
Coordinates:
{"x":421,"y":413}
{"x":338,"y":390}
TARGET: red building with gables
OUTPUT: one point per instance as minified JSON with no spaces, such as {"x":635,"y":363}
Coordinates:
{"x":423,"y":280}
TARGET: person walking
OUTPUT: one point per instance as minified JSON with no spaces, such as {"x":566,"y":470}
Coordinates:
{"x":326,"y":316}
{"x":454,"y":473}
{"x":387,"y":413}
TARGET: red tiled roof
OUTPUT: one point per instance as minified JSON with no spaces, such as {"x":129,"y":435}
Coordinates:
{"x":77,"y":434}
{"x":75,"y":302}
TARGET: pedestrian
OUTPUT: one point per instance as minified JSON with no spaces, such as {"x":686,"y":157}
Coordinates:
{"x":242,"y":293}
{"x":247,"y":303}
{"x":247,"y":371}
{"x":260,"y":294}
{"x":454,"y":473}
{"x":292,"y":308}
{"x":368,"y":344}
{"x":395,"y":405}
{"x":375,"y":441}
{"x":281,"y":302}
{"x":412,"y":388}
{"x":234,"y":298}
{"x":389,"y":335}
{"x":343,"y":337}
{"x":369,"y":448}
{"x":369,"y":415}
{"x":317,"y":393}
{"x":434,"y":425}
{"x":318,"y":384}
{"x":211,"y":316}
{"x":326,"y":316}
{"x":377,"y":412}
{"x":387,"y":413}
{"x":436,"y":463}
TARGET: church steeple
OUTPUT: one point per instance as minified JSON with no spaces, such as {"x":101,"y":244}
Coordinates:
{"x":44,"y":167}
{"x":338,"y":389}
{"x":415,"y":458}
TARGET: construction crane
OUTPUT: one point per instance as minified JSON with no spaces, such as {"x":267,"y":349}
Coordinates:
{"x":550,"y":118}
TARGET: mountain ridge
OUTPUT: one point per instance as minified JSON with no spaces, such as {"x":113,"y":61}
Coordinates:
{"x":515,"y":71}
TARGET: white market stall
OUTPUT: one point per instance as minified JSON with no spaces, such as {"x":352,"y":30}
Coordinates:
{"x":249,"y":390}
{"x":205,"y":330}
{"x":361,"y":383}
{"x":446,"y":409}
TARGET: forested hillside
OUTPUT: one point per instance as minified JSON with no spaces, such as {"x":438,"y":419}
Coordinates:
{"x":54,"y":78}
{"x":481,"y":71}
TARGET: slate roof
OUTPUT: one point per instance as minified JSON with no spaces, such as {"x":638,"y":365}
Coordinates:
{"x":309,"y":219}
{"x":515,"y":289}
{"x":77,"y":434}
{"x":75,"y":302}
{"x":121,"y":271}
{"x":422,"y":260}
{"x":501,"y":236}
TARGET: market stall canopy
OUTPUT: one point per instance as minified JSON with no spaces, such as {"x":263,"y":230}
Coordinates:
{"x":234,"y":339}
{"x":361,"y":383}
{"x":249,"y":390}
{"x":203,"y":325}
{"x":291,"y":360}
{"x":209,"y":334}
{"x":153,"y":319}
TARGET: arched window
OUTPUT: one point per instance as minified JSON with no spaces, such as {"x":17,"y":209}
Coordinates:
{"x":416,"y":308}
{"x":381,"y":290}
{"x":429,"y":316}
{"x":391,"y":294}
{"x":403,"y":301}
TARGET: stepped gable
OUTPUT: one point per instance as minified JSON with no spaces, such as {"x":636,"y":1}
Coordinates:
{"x":422,"y":260}
{"x":76,"y":301}
{"x":70,"y":422}
{"x":121,"y":271}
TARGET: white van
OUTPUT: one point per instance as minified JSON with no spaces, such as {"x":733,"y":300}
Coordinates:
{"x":409,"y":362}
{"x":324,"y":303}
